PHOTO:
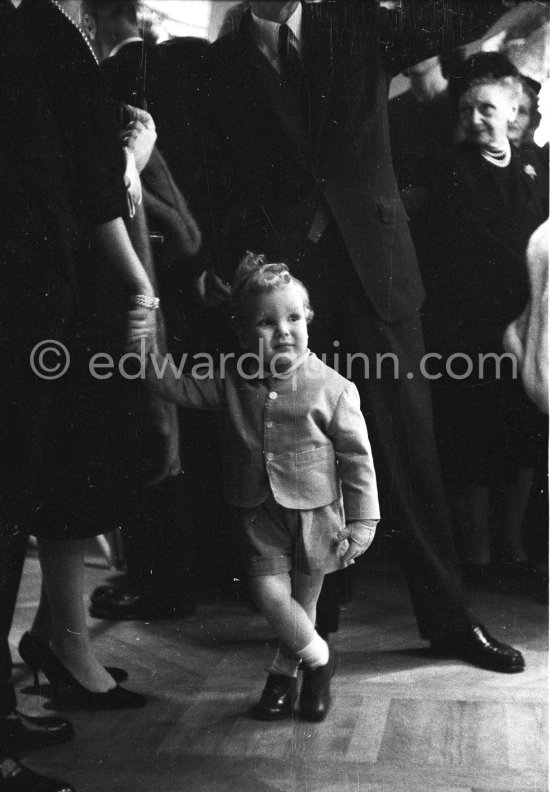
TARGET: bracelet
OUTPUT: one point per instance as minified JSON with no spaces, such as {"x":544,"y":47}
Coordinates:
{"x":144,"y":301}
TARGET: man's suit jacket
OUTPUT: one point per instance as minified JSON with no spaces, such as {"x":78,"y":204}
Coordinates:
{"x":301,"y":436}
{"x":286,"y":154}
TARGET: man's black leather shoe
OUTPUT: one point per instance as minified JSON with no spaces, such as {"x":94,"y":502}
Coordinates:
{"x":20,"y":732}
{"x":109,"y":590}
{"x":480,"y":649}
{"x":277,"y":699}
{"x":315,"y":697}
{"x":120,"y":604}
{"x":14,"y":777}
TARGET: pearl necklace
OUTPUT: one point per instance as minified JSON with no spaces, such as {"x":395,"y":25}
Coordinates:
{"x":77,"y":26}
{"x":500,"y":158}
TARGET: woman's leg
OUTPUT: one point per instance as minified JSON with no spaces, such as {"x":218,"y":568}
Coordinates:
{"x":42,"y":627}
{"x":62,"y":564}
{"x":515,"y":507}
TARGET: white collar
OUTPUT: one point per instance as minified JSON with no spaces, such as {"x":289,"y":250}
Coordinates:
{"x":122,"y":44}
{"x":267,"y":32}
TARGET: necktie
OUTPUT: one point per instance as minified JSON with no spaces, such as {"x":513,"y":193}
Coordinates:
{"x":291,"y":67}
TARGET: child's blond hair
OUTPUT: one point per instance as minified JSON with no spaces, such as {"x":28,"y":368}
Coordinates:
{"x":255,"y":275}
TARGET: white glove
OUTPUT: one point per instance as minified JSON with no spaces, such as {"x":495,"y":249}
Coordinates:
{"x":139,"y":135}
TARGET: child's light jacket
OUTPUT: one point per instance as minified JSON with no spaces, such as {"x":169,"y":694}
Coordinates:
{"x":301,"y":435}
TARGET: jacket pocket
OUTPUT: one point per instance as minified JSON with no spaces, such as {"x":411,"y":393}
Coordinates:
{"x":314,"y":455}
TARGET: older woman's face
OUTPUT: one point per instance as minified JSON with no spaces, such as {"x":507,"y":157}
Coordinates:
{"x":485,"y":111}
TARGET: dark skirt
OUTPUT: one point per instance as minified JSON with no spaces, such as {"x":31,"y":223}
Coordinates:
{"x":71,"y":460}
{"x":487,"y":432}
{"x":73,"y":450}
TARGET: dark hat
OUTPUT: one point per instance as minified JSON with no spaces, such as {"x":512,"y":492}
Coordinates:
{"x":532,"y":84}
{"x":481,"y":67}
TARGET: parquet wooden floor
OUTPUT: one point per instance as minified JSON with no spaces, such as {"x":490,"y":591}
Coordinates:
{"x":401,"y":721}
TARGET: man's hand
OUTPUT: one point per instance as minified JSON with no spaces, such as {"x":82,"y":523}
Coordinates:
{"x":522,"y":34}
{"x":520,"y":21}
{"x":211,"y":290}
{"x":139,"y":135}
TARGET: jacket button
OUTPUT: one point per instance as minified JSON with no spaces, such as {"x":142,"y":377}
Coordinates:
{"x":269,"y":457}
{"x":272,"y":395}
{"x":269,"y":425}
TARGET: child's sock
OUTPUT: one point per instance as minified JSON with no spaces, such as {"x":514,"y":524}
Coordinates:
{"x":316,"y":653}
{"x":284,"y":665}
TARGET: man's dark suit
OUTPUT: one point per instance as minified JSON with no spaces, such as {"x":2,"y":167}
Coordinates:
{"x":282,"y":159}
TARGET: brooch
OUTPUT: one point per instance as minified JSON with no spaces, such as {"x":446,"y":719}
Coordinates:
{"x":530,"y":171}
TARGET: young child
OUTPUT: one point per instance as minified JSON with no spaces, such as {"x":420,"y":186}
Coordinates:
{"x":297,"y":462}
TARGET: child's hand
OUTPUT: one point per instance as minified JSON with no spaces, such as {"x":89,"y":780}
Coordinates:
{"x":355,"y":539}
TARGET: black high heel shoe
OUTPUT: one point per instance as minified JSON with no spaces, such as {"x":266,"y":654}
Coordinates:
{"x":34,"y":652}
{"x":69,"y":691}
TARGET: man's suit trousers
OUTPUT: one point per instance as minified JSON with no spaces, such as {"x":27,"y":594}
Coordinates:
{"x":396,"y":402}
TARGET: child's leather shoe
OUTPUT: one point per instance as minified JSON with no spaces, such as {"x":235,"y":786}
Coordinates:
{"x":278,"y":698}
{"x":315,"y":697}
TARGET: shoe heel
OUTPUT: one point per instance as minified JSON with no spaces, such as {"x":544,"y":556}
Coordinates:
{"x":31,"y":651}
{"x":62,"y":693}
{"x":68,"y":692}
{"x":60,"y":686}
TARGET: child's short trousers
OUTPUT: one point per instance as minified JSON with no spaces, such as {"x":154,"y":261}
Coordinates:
{"x":278,"y":540}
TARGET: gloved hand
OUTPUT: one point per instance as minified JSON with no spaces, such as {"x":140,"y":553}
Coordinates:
{"x":139,"y":135}
{"x":355,"y":539}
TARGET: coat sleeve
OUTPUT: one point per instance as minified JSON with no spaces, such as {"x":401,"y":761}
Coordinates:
{"x":350,"y":439}
{"x":90,"y":123}
{"x":166,"y":381}
{"x":410,"y":31}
